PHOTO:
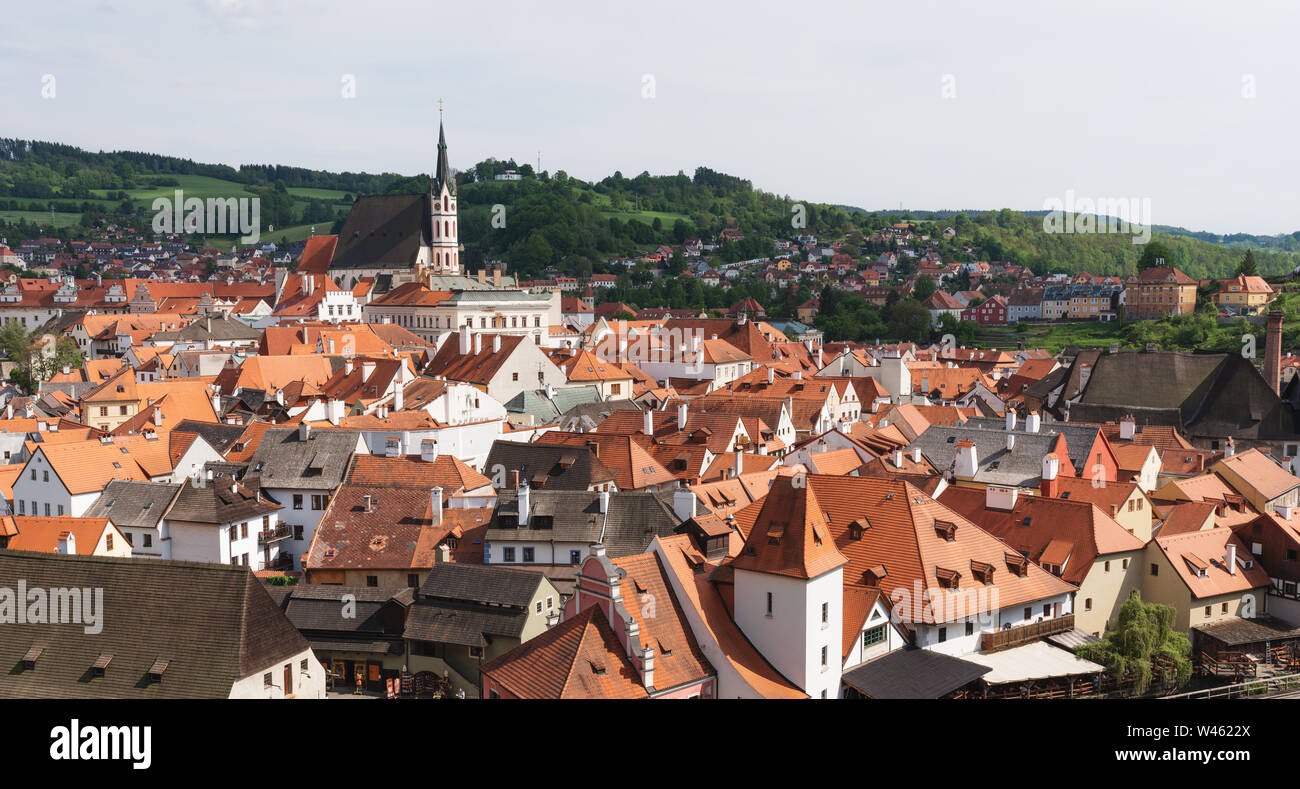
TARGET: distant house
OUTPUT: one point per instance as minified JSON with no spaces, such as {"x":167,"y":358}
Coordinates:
{"x":989,"y":313}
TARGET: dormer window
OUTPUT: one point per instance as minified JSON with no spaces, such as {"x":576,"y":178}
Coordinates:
{"x":948,"y":579}
{"x":100,"y":665}
{"x":31,"y":656}
{"x":946,"y":529}
{"x":857,"y":527}
{"x":982,"y":571}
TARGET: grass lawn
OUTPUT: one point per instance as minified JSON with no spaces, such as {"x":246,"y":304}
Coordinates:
{"x":200,"y":186}
{"x":41,"y":218}
{"x":308,"y":192}
{"x":1052,"y":336}
{"x":647,"y":217}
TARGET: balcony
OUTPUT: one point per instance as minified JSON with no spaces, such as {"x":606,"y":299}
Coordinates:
{"x":269,"y":536}
{"x":1014,"y":637}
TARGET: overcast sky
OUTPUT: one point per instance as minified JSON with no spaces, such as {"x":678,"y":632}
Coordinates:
{"x":931,"y":105}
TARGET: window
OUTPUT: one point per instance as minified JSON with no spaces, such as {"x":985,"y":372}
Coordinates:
{"x":1047,"y":609}
{"x":413,"y":580}
{"x":297,"y":532}
{"x":60,"y":510}
{"x":319,"y":501}
{"x":243,"y":530}
{"x":943,"y":634}
{"x":266,"y":680}
{"x":103,"y":410}
{"x":108,"y":542}
{"x":875,"y":635}
{"x":1225,"y":608}
{"x":122,"y":410}
{"x":1155,"y":569}
{"x":47,"y":509}
{"x":823,"y":657}
{"x":507,"y":554}
{"x":148,"y":540}
{"x":575,"y":557}
{"x":769,"y":603}
{"x":970,"y":628}
{"x":22,"y":507}
{"x":1029,"y":613}
{"x":1087,"y":604}
{"x":234,"y":533}
{"x":1290,"y":555}
{"x":1107,"y":566}
{"x":372,"y":580}
{"x":1207,"y":610}
{"x":297,"y":501}
{"x":550,"y":603}
{"x":539,"y":607}
{"x":514,"y":376}
{"x":302,"y":666}
{"x":45,"y":476}
{"x":1123,"y":565}
{"x":528,"y":554}
{"x":826,"y":613}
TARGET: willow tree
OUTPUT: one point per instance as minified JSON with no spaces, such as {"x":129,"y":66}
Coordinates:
{"x":1144,"y":631}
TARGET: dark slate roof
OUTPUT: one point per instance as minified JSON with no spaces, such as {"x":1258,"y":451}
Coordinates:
{"x":383,"y":231}
{"x":565,"y":467}
{"x":130,"y":504}
{"x":315,"y":607}
{"x":220,"y":436}
{"x":913,"y":674}
{"x":465,"y":625}
{"x":214,"y":624}
{"x":1205,"y":394}
{"x":220,"y":501}
{"x":586,"y":416}
{"x":632,"y":521}
{"x":283,"y":460}
{"x":443,"y":174}
{"x":474,"y":583}
{"x":221,"y":329}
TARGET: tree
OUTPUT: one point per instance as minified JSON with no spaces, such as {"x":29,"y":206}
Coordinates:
{"x":909,"y":320}
{"x":1155,"y":254}
{"x":1144,"y":631}
{"x":924,"y":288}
{"x":1247,"y":267}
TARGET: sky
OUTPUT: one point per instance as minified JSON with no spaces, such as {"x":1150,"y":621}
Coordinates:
{"x":1191,"y":105}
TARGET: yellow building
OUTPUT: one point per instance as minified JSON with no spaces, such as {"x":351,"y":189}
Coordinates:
{"x":1243,"y":295}
{"x":1160,"y":292}
{"x":1204,"y":576}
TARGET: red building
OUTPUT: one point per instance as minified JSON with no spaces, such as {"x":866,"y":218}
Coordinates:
{"x":988,"y":313}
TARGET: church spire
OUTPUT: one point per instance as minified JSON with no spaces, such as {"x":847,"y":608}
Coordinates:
{"x":443,"y":174}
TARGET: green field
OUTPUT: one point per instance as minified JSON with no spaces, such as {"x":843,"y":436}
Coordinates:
{"x":333,"y":195}
{"x":1051,"y":336}
{"x":200,"y":186}
{"x":42,"y":218}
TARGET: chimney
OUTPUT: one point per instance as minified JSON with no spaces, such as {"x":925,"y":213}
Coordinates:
{"x":1230,"y":448}
{"x":739,"y":461}
{"x":1011,"y":441}
{"x":798,"y":375}
{"x":329,"y":345}
{"x":1000,"y":498}
{"x":428,"y":450}
{"x":370,"y":502}
{"x":1033,"y":422}
{"x":444,"y":553}
{"x":916,"y":454}
{"x":771,"y":375}
{"x":1232,"y":556}
{"x":682,"y":412}
{"x":1273,"y":351}
{"x":1050,"y":485}
{"x":1127,"y":428}
{"x":464,"y":340}
{"x":647,"y":665}
{"x":649,"y":425}
{"x":216,"y":404}
{"x":334,"y":411}
{"x":398,"y":400}
{"x":304,"y":431}
{"x":67,"y":543}
{"x":604,"y":502}
{"x":435,"y":506}
{"x":347,"y":367}
{"x":1011,"y":419}
{"x":482,"y":276}
{"x":525,"y":498}
{"x":496,"y":343}
{"x":898,"y":458}
{"x":684,"y":504}
{"x":496,"y":277}
{"x":967,"y":459}
{"x":478,"y":344}
{"x":393,"y":446}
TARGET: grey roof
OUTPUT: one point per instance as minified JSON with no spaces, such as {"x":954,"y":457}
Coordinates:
{"x":213,"y":624}
{"x":220,"y":501}
{"x":1206,"y":394}
{"x":219,"y":435}
{"x":1079,"y":438}
{"x":209,"y":328}
{"x":383,"y":231}
{"x":564,"y":467}
{"x":465,"y":625}
{"x":477,"y":583}
{"x":134,"y":505}
{"x":283,"y":460}
{"x":534,"y":403}
{"x":1022,"y":467}
{"x":913,"y":674}
{"x":632,"y":521}
{"x":317,"y":609}
{"x":585,"y":417}
{"x":567,"y":398}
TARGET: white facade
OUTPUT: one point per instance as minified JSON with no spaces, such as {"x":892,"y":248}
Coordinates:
{"x":796,"y":624}
{"x":305,"y":673}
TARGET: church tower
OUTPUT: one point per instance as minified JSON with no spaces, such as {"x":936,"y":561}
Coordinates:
{"x":444,"y":244}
